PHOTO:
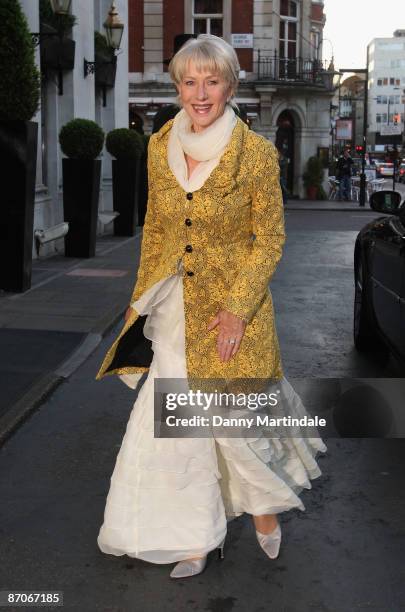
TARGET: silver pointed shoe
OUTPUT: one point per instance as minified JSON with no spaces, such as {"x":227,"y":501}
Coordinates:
{"x":270,"y":542}
{"x":192,"y":567}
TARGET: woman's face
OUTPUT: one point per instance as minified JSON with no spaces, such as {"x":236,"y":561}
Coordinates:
{"x":203,"y":96}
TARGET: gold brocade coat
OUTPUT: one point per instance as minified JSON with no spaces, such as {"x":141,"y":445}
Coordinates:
{"x":224,"y":267}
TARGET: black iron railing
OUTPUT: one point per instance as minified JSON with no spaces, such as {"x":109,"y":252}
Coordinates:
{"x":275,"y":68}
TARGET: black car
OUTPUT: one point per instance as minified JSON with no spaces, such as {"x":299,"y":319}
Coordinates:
{"x":379,"y":274}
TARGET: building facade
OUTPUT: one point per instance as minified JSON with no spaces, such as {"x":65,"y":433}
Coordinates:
{"x":80,"y":98}
{"x":386,"y":111}
{"x":348,"y":105}
{"x":284,"y":88}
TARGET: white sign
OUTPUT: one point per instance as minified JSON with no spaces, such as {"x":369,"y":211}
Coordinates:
{"x":390,"y":130}
{"x":242,"y":41}
{"x":344,"y":129}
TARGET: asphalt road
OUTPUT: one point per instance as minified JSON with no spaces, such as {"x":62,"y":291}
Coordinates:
{"x":345,"y":553}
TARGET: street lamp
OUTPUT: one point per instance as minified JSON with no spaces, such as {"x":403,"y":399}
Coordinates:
{"x":61,"y":7}
{"x":362,"y":194}
{"x":114,"y":27}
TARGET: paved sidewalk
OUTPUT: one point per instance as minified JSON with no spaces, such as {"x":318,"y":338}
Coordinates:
{"x":321,"y":205}
{"x":49,"y":330}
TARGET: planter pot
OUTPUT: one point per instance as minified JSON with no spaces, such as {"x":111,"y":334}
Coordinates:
{"x":125,"y":176}
{"x":105,"y":69}
{"x":81,"y":189}
{"x":312,"y":192}
{"x":57,"y":53}
{"x":18,"y":151}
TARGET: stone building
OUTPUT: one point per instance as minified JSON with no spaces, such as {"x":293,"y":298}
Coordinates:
{"x":80,"y":98}
{"x":285,"y":88}
{"x":386,"y":109}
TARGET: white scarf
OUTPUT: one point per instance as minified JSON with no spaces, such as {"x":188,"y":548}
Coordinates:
{"x":207,"y":147}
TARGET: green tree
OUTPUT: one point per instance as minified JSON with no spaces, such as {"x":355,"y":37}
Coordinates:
{"x":20,"y":82}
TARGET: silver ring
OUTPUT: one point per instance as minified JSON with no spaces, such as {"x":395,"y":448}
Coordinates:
{"x":232,"y":341}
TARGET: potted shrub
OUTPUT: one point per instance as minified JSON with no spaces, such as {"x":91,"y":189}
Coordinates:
{"x":313,"y":177}
{"x":19,"y":98}
{"x":57,"y":52}
{"x":81,"y":140}
{"x":127,"y":146}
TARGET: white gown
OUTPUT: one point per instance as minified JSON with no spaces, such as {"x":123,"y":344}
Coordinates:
{"x":170,"y":499}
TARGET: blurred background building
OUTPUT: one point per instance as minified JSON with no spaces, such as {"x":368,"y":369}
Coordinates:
{"x":387,"y":90}
{"x":285,"y":88}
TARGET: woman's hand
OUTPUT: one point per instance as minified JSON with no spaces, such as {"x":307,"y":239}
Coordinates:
{"x":231,"y":327}
{"x":127,"y":313}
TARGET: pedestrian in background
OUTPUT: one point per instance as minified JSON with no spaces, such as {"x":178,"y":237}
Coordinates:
{"x":344,"y":172}
{"x":283,"y":163}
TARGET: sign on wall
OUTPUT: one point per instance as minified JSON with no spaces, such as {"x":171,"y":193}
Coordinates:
{"x":242,"y":41}
{"x":390,"y":130}
{"x":344,"y":129}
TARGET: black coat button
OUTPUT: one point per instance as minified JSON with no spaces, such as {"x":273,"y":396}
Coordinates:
{"x":189,"y":248}
{"x":188,"y":221}
{"x":189,"y":196}
{"x":190,"y":273}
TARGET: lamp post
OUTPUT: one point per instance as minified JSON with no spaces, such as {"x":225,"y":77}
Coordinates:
{"x":114,"y":29}
{"x":362,"y":194}
{"x":60,"y":8}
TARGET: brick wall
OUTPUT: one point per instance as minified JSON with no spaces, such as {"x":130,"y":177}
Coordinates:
{"x":242,"y":23}
{"x":317,"y":12}
{"x":135,"y":35}
{"x":173,"y":23}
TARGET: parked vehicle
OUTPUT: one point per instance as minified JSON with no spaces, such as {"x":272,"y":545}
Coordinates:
{"x":379,"y":274}
{"x":384,"y":169}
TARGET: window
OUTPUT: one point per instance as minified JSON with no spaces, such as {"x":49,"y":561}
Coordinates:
{"x":396,"y":101}
{"x":392,"y":81}
{"x":379,"y":82}
{"x":392,"y":99}
{"x":397,"y":81}
{"x":385,"y":81}
{"x":208,"y":17}
{"x":384,"y":100}
{"x":288,"y":34}
{"x":288,"y":8}
{"x":315,"y":44}
{"x":378,"y":118}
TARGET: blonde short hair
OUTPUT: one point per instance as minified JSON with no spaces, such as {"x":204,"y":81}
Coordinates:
{"x":211,"y":53}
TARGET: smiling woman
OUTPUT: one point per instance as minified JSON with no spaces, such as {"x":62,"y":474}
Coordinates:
{"x":202,"y":298}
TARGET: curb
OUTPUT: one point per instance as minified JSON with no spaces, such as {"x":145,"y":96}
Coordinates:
{"x":334,"y":209}
{"x":35,"y":396}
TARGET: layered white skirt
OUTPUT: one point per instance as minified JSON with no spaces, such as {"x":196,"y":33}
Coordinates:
{"x":171,"y":498}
